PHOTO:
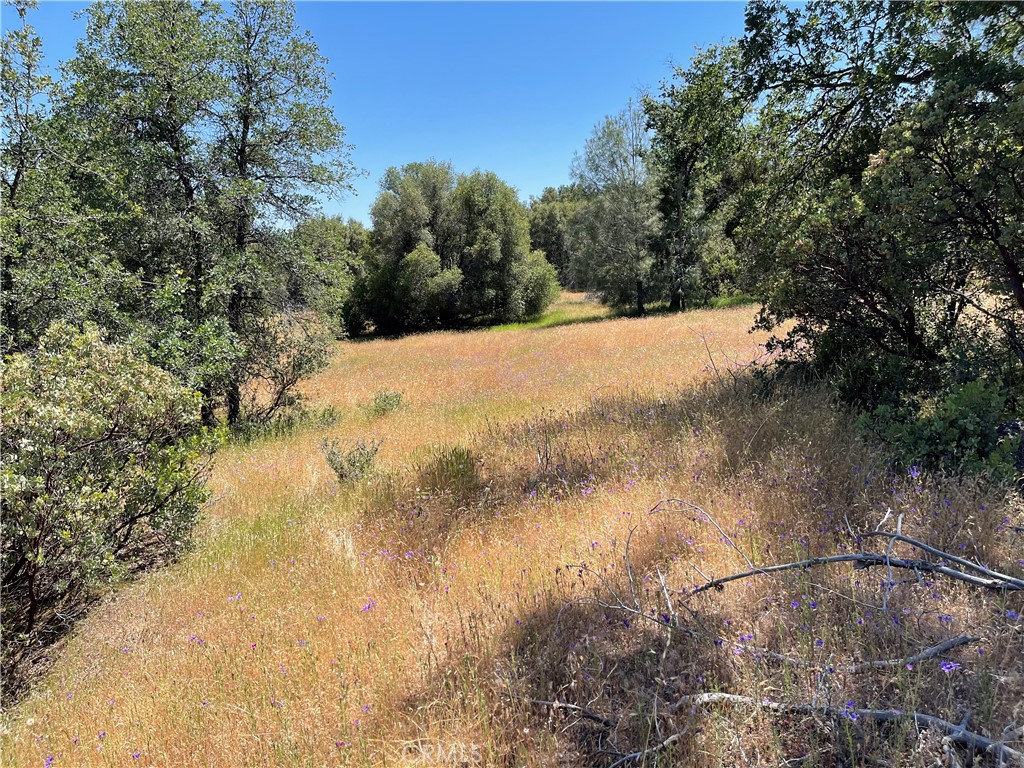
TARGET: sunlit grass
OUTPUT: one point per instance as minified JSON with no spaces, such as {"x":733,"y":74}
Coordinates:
{"x":418,"y":610}
{"x":570,"y":308}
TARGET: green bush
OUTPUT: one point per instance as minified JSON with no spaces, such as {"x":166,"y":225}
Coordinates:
{"x":103,"y":473}
{"x":957,"y":431}
{"x":350,"y":464}
{"x":733,"y":299}
{"x":540,"y":284}
{"x":384,"y":402}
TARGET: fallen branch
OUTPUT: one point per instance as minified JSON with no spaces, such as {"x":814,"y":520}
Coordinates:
{"x":867,"y":560}
{"x":584,"y":713}
{"x":927,"y":653}
{"x":958,"y":733}
{"x":995,"y":575}
{"x":641,"y":754}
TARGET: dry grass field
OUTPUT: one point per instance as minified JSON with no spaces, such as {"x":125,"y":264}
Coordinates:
{"x":422,"y":616}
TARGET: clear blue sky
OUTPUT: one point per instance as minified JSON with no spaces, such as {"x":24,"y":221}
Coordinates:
{"x":513,"y":88}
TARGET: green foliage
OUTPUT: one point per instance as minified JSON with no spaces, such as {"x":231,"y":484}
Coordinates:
{"x":352,"y":463}
{"x":103,"y":469}
{"x":551,"y":216}
{"x":448,"y":251}
{"x":286,"y":423}
{"x":181,"y":132}
{"x":882,"y":214}
{"x":734,"y":299}
{"x":325,"y":257}
{"x":615,"y":228}
{"x":384,"y":402}
{"x":540,"y":284}
{"x":957,"y":431}
{"x":425,"y":291}
{"x":697,"y":168}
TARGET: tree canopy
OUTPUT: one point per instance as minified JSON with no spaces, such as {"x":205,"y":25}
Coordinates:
{"x":449,"y":250}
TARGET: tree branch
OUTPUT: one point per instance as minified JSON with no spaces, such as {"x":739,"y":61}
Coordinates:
{"x":957,"y":732}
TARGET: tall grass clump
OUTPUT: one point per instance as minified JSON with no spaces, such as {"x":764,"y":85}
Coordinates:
{"x":286,"y":423}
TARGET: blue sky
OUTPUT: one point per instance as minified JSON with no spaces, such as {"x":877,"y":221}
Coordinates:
{"x":514,"y":88}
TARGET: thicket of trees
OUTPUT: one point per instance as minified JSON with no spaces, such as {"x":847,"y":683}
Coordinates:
{"x":448,"y":250}
{"x":145,"y":190}
{"x":149,"y":289}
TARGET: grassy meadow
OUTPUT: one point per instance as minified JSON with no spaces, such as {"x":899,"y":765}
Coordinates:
{"x":423,"y":615}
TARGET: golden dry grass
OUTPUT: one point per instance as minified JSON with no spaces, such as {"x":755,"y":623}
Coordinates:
{"x":408,"y":619}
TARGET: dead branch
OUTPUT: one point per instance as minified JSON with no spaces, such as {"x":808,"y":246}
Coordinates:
{"x":995,"y":575}
{"x":641,"y":754}
{"x":957,"y":732}
{"x":584,"y":713}
{"x":866,"y":560}
{"x":927,"y":653}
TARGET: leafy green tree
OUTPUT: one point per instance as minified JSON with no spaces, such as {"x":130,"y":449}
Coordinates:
{"x":551,"y":216}
{"x":888,"y":227}
{"x":103,"y":462}
{"x":494,"y":243}
{"x":446,"y":251}
{"x":416,"y":206}
{"x":204,"y":128}
{"x":54,"y":260}
{"x":326,"y":257}
{"x":427,"y":292}
{"x":277,"y":144}
{"x":615,"y":229}
{"x":695,"y":165}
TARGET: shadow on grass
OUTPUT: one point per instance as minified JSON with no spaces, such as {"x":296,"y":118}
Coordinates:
{"x":544,"y":322}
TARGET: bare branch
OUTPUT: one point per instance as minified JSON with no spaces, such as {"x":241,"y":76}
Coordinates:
{"x":584,"y":713}
{"x":928,"y":653}
{"x":866,"y":560}
{"x":995,"y":575}
{"x":957,"y":732}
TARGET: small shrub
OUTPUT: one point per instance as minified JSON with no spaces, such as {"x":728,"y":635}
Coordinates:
{"x":353,"y":463}
{"x":734,"y":299}
{"x":383,"y":403}
{"x":540,"y":284}
{"x":957,"y":431}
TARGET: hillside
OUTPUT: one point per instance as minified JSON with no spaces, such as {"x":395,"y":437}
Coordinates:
{"x":424,"y":615}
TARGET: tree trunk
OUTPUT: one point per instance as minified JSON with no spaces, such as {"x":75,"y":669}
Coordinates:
{"x":206,"y":409}
{"x":10,"y":314}
{"x":675,"y":300}
{"x":640,"y":298}
{"x":1013,"y":273}
{"x":234,"y":400}
{"x":234,"y":389}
